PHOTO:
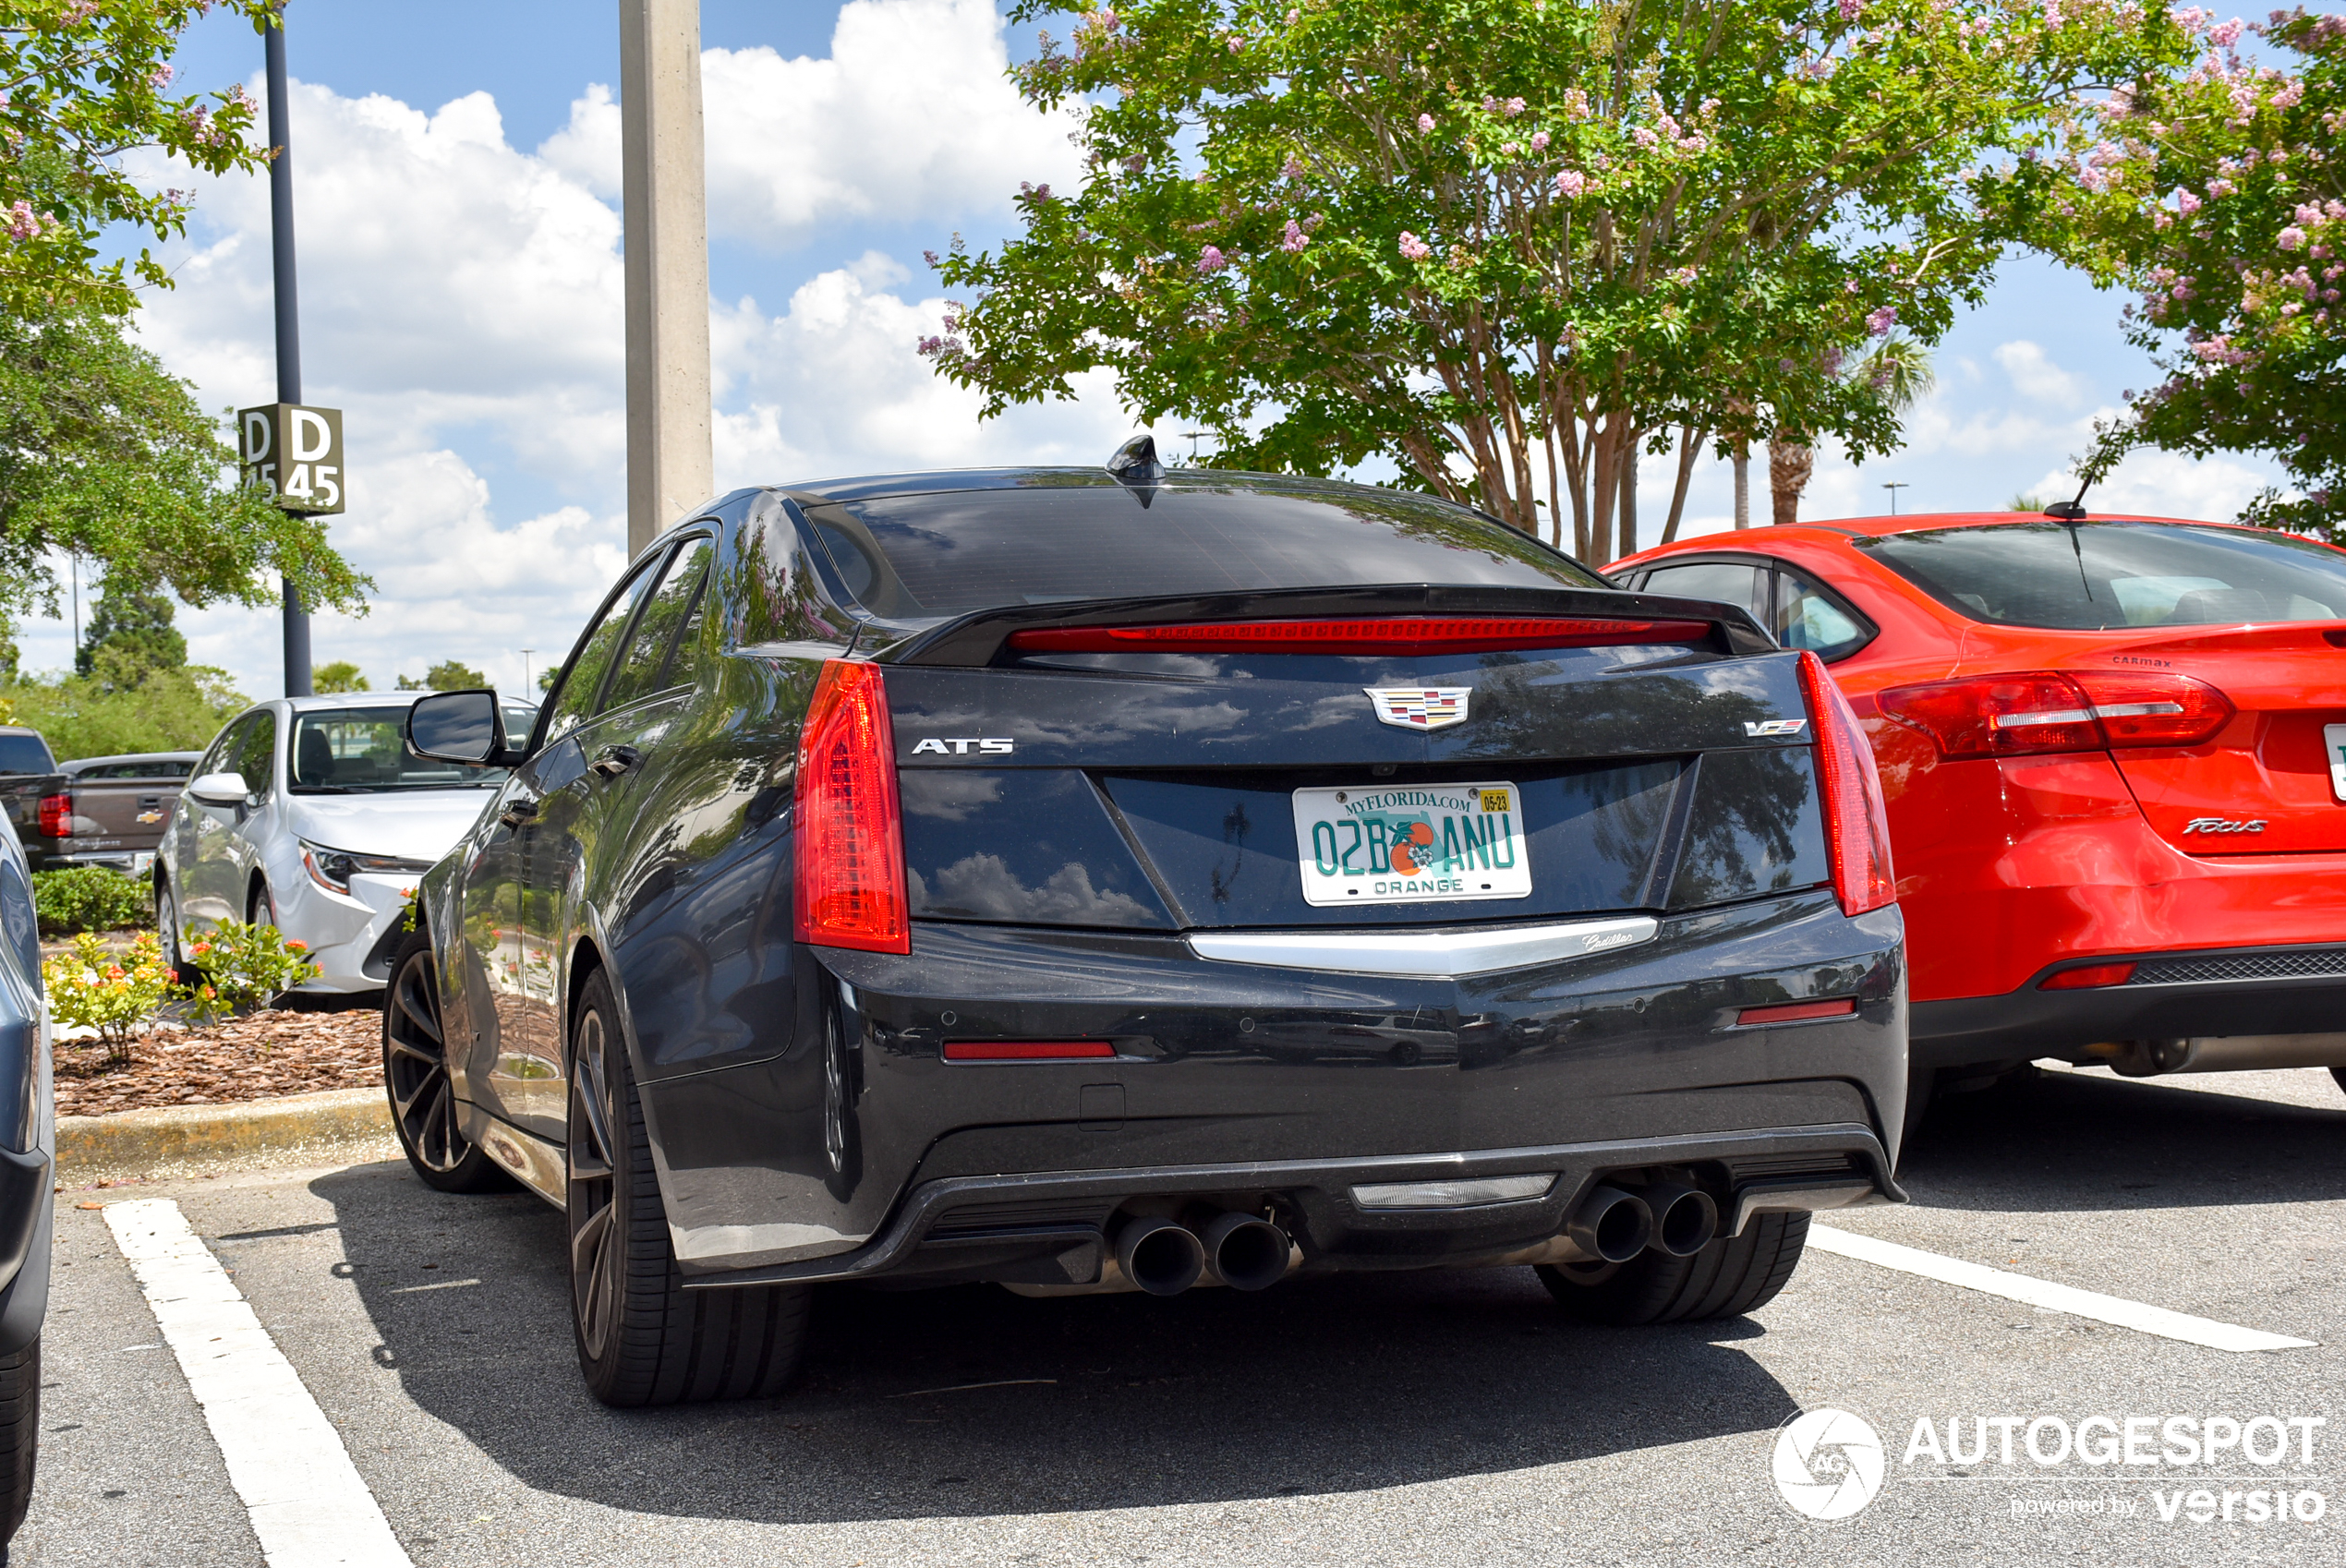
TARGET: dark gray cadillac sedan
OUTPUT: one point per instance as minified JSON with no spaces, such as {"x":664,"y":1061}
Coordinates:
{"x":1133,"y":879}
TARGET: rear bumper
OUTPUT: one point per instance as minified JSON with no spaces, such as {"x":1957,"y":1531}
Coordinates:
{"x":2174,"y":995}
{"x":1053,"y":1228}
{"x":1282,"y":1081}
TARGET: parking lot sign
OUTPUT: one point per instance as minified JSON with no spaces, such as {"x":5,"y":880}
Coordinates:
{"x":292,"y":454}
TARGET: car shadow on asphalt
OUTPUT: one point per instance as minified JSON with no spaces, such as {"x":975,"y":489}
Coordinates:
{"x":970,"y":1401}
{"x":2085,"y":1142}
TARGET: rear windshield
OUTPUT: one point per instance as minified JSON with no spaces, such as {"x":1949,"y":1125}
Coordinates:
{"x":2097,"y":577}
{"x":143,"y":767}
{"x":25,"y":753}
{"x":358,"y":751}
{"x":946,"y":553}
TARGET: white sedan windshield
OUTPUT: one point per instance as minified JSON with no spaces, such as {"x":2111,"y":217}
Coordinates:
{"x":358,"y":751}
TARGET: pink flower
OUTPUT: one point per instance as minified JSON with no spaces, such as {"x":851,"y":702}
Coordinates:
{"x":1881,"y":320}
{"x":1571,"y":183}
{"x":1539,"y":142}
{"x":1293,"y":168}
{"x":1425,"y":122}
{"x":1849,"y":9}
{"x":1293,"y":239}
{"x":24,"y":222}
{"x":1513,"y":107}
{"x":2307,"y":213}
{"x":1413,"y":249}
{"x":1643,"y":136}
{"x":2290,"y":238}
{"x":1210,"y":259}
{"x":160,"y":78}
{"x":1512,"y":149}
{"x":2226,"y":34}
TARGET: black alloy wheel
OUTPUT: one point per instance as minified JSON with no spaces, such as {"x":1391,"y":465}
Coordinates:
{"x":1734,"y":1275}
{"x":641,"y":1340}
{"x":423,"y":1098}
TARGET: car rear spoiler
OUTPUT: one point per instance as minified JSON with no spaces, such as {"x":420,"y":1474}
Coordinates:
{"x":980,"y":638}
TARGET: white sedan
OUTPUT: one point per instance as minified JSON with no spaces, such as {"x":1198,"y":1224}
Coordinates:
{"x":310,"y":813}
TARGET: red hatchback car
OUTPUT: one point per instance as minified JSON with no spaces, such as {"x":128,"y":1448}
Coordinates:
{"x":2114,"y":751}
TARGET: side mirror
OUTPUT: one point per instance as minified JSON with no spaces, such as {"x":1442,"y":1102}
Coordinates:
{"x":219,"y":790}
{"x":458,"y":727}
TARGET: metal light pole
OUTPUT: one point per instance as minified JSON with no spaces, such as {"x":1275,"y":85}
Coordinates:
{"x":281,"y":226}
{"x":664,"y":209}
{"x":1893,"y":487}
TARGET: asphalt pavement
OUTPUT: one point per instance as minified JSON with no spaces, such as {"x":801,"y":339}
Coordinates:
{"x":1433,"y":1418}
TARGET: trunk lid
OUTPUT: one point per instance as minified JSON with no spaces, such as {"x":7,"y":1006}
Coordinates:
{"x":2266,"y":783}
{"x":1160,"y":791}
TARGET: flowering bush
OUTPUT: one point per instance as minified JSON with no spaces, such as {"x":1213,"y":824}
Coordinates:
{"x":1510,"y":244}
{"x":112,"y":993}
{"x":244,"y":967}
{"x":2215,"y":196}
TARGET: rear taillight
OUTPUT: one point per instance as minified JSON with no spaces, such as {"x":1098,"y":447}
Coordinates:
{"x":1407,"y":635}
{"x":1856,"y":823}
{"x":1027,"y":1050}
{"x":2044,"y":711}
{"x":56,"y":816}
{"x":850,"y":833}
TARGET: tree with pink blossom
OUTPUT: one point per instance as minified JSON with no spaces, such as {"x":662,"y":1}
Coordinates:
{"x":81,"y":85}
{"x":1544,"y":236}
{"x":2222,"y":205}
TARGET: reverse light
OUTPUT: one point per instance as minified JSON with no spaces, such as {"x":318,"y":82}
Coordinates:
{"x":2088,"y":977}
{"x":2047,"y":711}
{"x":1026,"y":1050}
{"x":56,"y":816}
{"x":1407,"y":635}
{"x":1857,"y":822}
{"x":848,"y":827}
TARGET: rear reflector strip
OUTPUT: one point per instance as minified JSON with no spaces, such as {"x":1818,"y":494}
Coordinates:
{"x":2088,"y":977}
{"x":1026,"y":1050}
{"x":1412,"y":634}
{"x":1796,"y":1012}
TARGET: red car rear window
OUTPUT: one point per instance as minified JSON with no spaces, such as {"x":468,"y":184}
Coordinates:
{"x":2096,"y":576}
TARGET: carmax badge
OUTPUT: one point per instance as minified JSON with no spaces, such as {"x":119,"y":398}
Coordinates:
{"x":1419,"y":707}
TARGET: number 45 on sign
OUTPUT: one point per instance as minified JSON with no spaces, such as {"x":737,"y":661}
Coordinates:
{"x":292,"y":454}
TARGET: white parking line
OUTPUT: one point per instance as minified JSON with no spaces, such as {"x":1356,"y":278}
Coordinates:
{"x":2092,"y":1304}
{"x":309,"y":1507}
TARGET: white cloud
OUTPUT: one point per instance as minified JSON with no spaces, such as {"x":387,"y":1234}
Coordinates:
{"x":910,"y":117}
{"x":2035,"y":375}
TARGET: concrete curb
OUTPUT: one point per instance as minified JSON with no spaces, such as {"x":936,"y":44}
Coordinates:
{"x":336,"y":1124}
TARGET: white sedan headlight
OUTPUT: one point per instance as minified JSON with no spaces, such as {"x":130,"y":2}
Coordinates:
{"x":332,"y":869}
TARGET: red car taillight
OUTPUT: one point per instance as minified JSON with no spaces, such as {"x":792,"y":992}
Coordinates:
{"x":2088,"y":977}
{"x":851,"y":834}
{"x":2044,"y":711}
{"x":56,"y":816}
{"x":1407,"y":635}
{"x":1856,"y":823}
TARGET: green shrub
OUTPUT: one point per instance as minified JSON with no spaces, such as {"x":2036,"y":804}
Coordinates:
{"x":89,"y":897}
{"x":245,"y":967}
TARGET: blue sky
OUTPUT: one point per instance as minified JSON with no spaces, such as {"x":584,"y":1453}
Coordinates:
{"x":455,"y":167}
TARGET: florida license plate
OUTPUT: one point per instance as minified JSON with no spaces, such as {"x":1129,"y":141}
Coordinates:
{"x":1419,"y":843}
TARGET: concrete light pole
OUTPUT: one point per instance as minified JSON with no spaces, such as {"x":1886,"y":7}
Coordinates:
{"x":281,"y":250}
{"x":665,"y":208}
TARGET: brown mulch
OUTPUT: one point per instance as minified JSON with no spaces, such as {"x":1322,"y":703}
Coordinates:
{"x":268,"y":1053}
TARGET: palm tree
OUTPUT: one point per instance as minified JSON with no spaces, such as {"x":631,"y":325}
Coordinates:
{"x":1898,"y":372}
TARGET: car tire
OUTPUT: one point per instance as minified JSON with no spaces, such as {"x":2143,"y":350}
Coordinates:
{"x":167,"y":929}
{"x":1733,"y":1276}
{"x":641,"y":1340}
{"x":416,"y":1079}
{"x":19,"y":1437}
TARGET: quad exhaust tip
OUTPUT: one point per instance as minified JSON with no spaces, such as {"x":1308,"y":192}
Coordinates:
{"x":1246,"y":1253}
{"x":1685,"y":1218}
{"x":1160,"y":1256}
{"x":1611,"y":1224}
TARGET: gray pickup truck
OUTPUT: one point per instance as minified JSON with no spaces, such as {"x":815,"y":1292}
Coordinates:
{"x":92,"y":811}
